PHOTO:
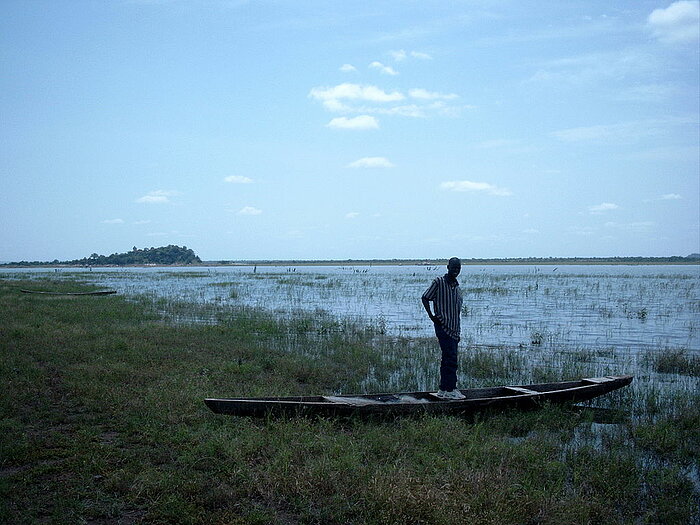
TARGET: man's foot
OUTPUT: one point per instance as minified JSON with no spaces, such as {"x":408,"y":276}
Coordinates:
{"x":454,"y":394}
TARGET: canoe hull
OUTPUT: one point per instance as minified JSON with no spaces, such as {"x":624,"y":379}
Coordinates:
{"x":99,"y":292}
{"x":400,"y":404}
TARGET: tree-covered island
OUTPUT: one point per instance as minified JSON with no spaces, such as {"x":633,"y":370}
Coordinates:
{"x":165,"y":255}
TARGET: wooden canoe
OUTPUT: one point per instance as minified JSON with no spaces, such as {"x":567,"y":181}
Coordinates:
{"x":399,"y":404}
{"x":98,"y":292}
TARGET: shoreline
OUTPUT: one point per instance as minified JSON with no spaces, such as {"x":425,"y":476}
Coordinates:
{"x":530,"y":261}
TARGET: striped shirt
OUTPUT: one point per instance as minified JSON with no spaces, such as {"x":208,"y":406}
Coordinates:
{"x":447,"y":301}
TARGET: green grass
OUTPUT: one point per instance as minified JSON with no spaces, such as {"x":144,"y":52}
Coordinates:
{"x":102,"y":421}
{"x":676,"y":361}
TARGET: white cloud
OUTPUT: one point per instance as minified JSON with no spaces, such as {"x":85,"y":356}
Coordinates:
{"x":371,"y":162}
{"x":368,"y":99}
{"x":424,"y":94}
{"x":671,"y":197}
{"x":402,"y":110}
{"x":470,"y":186}
{"x":407,"y":110}
{"x":113,"y":221}
{"x":678,"y":23}
{"x":249,"y":210}
{"x":354,"y":92}
{"x":401,"y":55}
{"x":352,"y":215}
{"x":348,"y":68}
{"x":422,"y":56}
{"x":157,"y":197}
{"x":361,"y":122}
{"x":238,"y":179}
{"x":152,"y":199}
{"x":603,"y":207}
{"x":384,"y":70}
{"x":398,"y":55}
{"x":139,"y":223}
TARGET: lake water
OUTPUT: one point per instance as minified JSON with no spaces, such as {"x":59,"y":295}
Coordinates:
{"x":628,"y":308}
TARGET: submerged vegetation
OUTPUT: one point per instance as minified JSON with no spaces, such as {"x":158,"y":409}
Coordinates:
{"x":102,"y":421}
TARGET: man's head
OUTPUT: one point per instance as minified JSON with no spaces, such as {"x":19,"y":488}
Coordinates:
{"x":454,"y":266}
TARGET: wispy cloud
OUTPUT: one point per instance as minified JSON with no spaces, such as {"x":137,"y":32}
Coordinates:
{"x":624,"y":132}
{"x":424,"y":94}
{"x":650,"y":92}
{"x":157,"y":197}
{"x":348,"y":91}
{"x":113,"y":221}
{"x":238,"y":179}
{"x":249,"y":210}
{"x":420,"y":55}
{"x":588,"y":133}
{"x":352,"y":215}
{"x":583,"y":231}
{"x":348,"y":68}
{"x":361,"y":122}
{"x":383,"y":69}
{"x":602,"y":208}
{"x":471,"y":186}
{"x":594,"y":68}
{"x":371,"y":162}
{"x":663,"y":153}
{"x":505,"y":145}
{"x":400,"y":55}
{"x":665,"y":197}
{"x":678,"y":23}
{"x":369,"y":99}
{"x":636,"y":227}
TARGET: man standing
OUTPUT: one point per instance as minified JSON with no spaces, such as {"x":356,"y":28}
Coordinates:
{"x":446,"y":297}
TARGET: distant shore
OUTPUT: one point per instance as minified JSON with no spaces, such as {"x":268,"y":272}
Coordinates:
{"x":472,"y":262}
{"x":549,"y":261}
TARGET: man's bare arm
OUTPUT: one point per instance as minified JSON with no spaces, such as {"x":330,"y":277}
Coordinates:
{"x":426,"y":305}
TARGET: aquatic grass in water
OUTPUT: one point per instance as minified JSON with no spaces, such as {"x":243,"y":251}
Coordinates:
{"x":556,"y":322}
{"x":675,"y":361}
{"x":502,"y":307}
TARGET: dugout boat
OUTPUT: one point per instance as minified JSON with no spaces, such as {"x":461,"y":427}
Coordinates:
{"x":406,"y":403}
{"x":98,"y":292}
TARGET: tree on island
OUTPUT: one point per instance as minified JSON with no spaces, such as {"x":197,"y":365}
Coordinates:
{"x":165,"y":255}
{"x":170,"y":254}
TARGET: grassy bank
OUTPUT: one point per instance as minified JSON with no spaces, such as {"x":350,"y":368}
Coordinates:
{"x":102,"y":421}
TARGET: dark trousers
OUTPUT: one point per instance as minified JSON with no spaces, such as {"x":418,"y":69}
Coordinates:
{"x":448,"y":364}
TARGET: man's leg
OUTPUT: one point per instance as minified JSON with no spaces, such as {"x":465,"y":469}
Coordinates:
{"x":448,"y":364}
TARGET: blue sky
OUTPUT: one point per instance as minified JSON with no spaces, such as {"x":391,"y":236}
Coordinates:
{"x":336,"y":130}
